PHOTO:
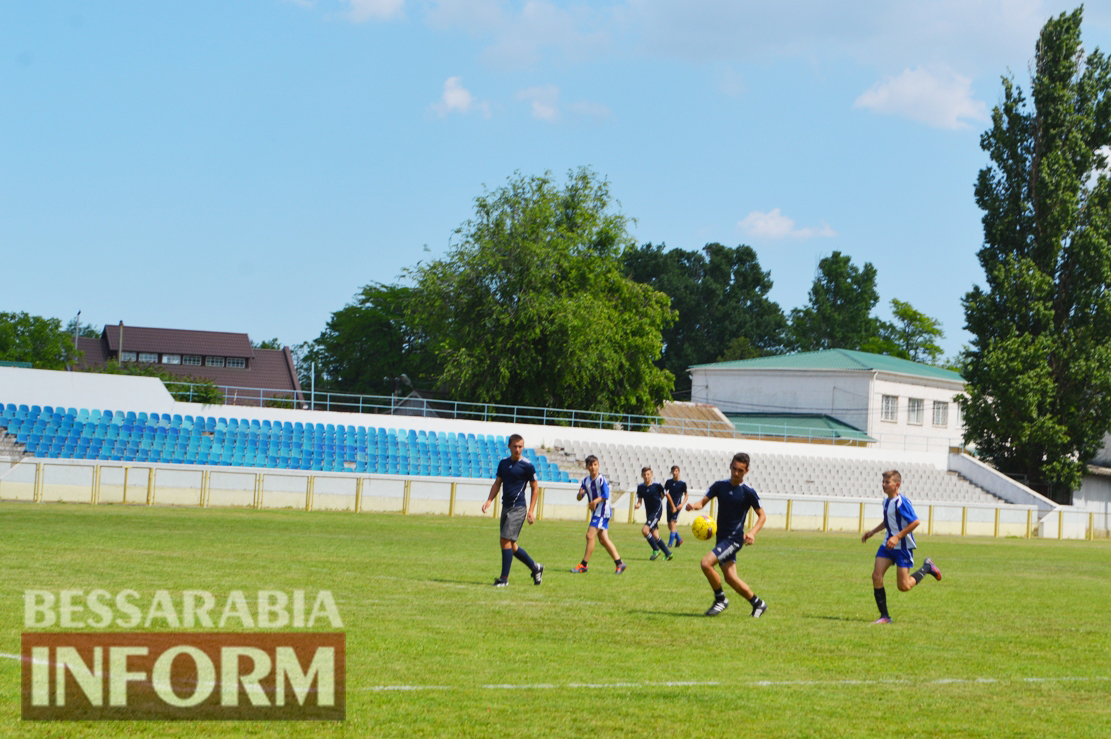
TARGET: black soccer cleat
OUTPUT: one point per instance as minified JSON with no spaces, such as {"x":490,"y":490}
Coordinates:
{"x":538,"y":574}
{"x":759,"y":608}
{"x":501,"y":582}
{"x":717,"y":607}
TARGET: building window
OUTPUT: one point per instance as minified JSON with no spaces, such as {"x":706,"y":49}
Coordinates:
{"x":941,"y":413}
{"x":148,"y":357}
{"x":213,"y":361}
{"x":191,"y":359}
{"x":914,"y":411}
{"x":128,"y":356}
{"x":890,"y":408}
{"x":237,"y":362}
{"x":171,"y":359}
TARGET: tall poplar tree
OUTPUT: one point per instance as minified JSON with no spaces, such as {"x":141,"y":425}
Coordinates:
{"x":1039,"y":365}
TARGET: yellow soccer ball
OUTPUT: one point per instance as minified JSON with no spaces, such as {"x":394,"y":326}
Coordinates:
{"x":703,"y":527}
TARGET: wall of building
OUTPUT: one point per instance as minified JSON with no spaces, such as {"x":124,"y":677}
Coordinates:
{"x":901,"y":433}
{"x":842,"y":395}
{"x":1094,"y":496}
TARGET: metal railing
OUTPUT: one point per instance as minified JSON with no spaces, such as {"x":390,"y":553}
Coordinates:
{"x":390,"y":405}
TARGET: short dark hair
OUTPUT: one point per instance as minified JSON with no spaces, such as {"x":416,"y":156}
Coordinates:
{"x":740,"y":457}
{"x":513,"y":438}
{"x":674,"y":467}
{"x":590,"y":459}
{"x":645,"y":469}
{"x":893,"y":473}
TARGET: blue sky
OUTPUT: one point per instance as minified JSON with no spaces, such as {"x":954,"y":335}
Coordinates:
{"x":249,"y":166}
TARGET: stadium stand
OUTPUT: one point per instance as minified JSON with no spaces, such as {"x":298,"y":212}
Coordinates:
{"x":47,"y":432}
{"x":778,"y":473}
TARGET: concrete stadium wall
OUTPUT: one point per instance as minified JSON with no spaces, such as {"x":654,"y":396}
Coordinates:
{"x":87,"y":481}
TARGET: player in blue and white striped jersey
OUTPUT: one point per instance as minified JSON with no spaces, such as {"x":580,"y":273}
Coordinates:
{"x":596,"y":489}
{"x":899,"y":522}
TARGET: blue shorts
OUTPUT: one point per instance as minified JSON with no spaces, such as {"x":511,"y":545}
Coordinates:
{"x":653,"y":521}
{"x":673,"y":517}
{"x":599,"y":522}
{"x":902,"y":557}
{"x":727,"y":547}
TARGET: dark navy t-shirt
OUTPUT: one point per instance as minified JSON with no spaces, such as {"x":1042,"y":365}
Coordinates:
{"x":733,"y":506}
{"x":676,"y":488}
{"x":653,"y":496}
{"x":515,"y":477}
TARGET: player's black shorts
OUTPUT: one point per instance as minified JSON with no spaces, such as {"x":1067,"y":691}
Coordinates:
{"x":728,"y":546}
{"x":673,"y":517}
{"x":653,"y":521}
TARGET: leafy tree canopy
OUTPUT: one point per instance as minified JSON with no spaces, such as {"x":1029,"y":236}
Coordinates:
{"x":839,"y":312}
{"x":531,"y":306}
{"x":369,"y":342}
{"x":40,"y":341}
{"x":1039,"y":364}
{"x":720,"y":295}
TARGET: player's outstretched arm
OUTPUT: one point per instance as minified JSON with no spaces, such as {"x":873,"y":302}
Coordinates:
{"x":697,"y":506}
{"x":750,"y":536}
{"x":493,"y":493}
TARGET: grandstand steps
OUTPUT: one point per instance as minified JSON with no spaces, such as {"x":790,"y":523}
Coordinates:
{"x":10,"y":449}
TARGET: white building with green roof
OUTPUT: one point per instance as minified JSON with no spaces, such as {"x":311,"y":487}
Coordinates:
{"x":860,"y":397}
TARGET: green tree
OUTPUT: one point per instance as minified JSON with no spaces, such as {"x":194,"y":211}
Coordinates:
{"x":720,"y":295}
{"x":839,"y":313}
{"x":1039,"y":364}
{"x":274,"y":343}
{"x":530,"y":306}
{"x":912,"y":336}
{"x":40,"y":341}
{"x":369,"y":342}
{"x":85,"y":330}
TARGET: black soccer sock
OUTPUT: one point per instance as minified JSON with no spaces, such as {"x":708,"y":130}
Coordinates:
{"x":719,"y":594}
{"x":754,"y":600}
{"x":920,"y":573}
{"x":522,"y":555}
{"x":585,"y":564}
{"x":651,"y":541}
{"x":618,"y":562}
{"x":881,"y":602}
{"x":506,"y":561}
{"x":663,"y":547}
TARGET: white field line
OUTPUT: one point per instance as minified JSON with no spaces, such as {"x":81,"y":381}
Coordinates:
{"x":754,"y":683}
{"x":712,"y":683}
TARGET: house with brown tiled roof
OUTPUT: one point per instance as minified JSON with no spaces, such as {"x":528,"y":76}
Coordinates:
{"x":247,"y":375}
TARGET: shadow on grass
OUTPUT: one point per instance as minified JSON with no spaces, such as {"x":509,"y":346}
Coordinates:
{"x":852,"y":620}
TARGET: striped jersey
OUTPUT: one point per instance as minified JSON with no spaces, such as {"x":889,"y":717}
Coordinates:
{"x":598,"y":487}
{"x":898,"y":513}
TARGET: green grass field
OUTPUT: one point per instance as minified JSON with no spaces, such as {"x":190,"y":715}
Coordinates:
{"x":1014,"y":642}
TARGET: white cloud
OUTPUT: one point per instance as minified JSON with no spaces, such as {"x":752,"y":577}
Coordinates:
{"x":545,"y":105}
{"x":775,"y":225}
{"x":520,"y":36}
{"x":942,"y":100}
{"x":366,"y":10}
{"x":543,"y":100}
{"x":458,"y":99}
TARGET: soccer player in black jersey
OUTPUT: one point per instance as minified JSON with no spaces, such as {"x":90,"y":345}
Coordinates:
{"x":651,"y":494}
{"x":735,"y":498}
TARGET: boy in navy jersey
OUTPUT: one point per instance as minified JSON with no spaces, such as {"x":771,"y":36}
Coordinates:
{"x":514,"y":474}
{"x":651,"y":494}
{"x":676,"y":492}
{"x":597,"y":490}
{"x":735,"y":498}
{"x":900,"y":521}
